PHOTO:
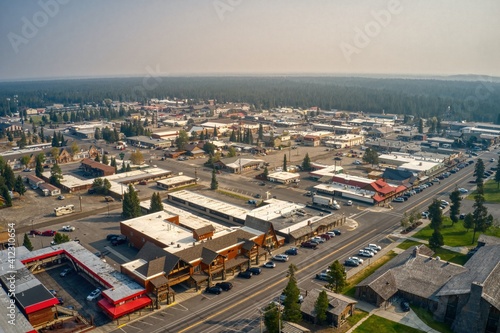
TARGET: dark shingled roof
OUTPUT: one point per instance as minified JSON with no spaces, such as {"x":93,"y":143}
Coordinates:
{"x":149,"y":252}
{"x":205,"y":229}
{"x":336,"y":302}
{"x":415,"y":274}
{"x":208,"y":256}
{"x":216,"y":244}
{"x":482,"y":268}
{"x":159,"y":281}
{"x":394,"y":174}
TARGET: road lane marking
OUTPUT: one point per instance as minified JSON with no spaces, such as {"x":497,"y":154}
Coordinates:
{"x":267,"y":288}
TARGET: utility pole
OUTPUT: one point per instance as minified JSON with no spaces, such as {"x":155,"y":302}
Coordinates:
{"x":80,"y":198}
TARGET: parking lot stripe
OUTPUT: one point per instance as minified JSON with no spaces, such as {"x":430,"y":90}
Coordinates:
{"x":119,"y":255}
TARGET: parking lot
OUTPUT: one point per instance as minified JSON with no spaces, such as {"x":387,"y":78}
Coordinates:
{"x":73,"y":289}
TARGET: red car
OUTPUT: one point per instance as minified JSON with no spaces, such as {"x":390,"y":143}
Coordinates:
{"x":325,"y":236}
{"x":49,"y":233}
{"x":35,"y":232}
{"x":310,"y":245}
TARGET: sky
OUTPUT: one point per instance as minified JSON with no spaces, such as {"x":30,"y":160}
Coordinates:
{"x":96,"y":38}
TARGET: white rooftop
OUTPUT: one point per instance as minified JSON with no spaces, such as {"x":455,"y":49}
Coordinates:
{"x":213,"y":204}
{"x":175,"y":180}
{"x":354,"y":178}
{"x":275,"y":208}
{"x":284,"y":175}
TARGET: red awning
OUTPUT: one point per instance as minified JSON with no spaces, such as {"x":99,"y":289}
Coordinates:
{"x":121,"y":310}
{"x":42,"y":305}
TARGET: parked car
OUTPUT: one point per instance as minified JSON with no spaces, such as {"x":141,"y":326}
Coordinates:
{"x":61,"y":300}
{"x":444,"y":203}
{"x":65,"y":272}
{"x":325,"y":236}
{"x":292,"y":251}
{"x":254,"y":270}
{"x":68,"y":228}
{"x":322,"y":276}
{"x":61,"y":197}
{"x":425,"y":215}
{"x":245,"y":274}
{"x":372,"y":250}
{"x":143,"y":182}
{"x":463,"y":190}
{"x":252,"y":202}
{"x":280,"y":257}
{"x":48,"y":233}
{"x":213,"y":290}
{"x":398,"y":199}
{"x":359,"y":260}
{"x":462,"y":216}
{"x":336,"y":232}
{"x":349,"y":203}
{"x":35,"y":232}
{"x":110,"y":237}
{"x":27,"y":170}
{"x":257,"y":196}
{"x":94,"y":295}
{"x":119,"y":240}
{"x":226,"y":286}
{"x":283,"y":297}
{"x":270,"y":264}
{"x":309,"y":245}
{"x":375,"y":246}
{"x":317,"y":239}
{"x":53,"y":292}
{"x":365,"y":253}
{"x":351,"y":263}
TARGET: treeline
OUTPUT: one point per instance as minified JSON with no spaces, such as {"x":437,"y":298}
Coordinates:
{"x":469,"y":100}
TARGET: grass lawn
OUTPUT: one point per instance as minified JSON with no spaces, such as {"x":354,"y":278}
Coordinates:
{"x":357,"y":316}
{"x":455,"y":235}
{"x":381,"y":325}
{"x":354,"y":280}
{"x":444,"y":254}
{"x":491,"y":192}
{"x":426,"y":317}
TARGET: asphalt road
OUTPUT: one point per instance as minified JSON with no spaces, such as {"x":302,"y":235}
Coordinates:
{"x":238,"y":309}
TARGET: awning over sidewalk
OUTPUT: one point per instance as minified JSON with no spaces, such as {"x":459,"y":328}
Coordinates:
{"x":115,"y":312}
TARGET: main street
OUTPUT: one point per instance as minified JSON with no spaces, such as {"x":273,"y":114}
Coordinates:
{"x":238,"y":309}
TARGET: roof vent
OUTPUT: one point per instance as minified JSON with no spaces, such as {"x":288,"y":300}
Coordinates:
{"x":438,"y":258}
{"x":178,"y":245}
{"x":172,"y":243}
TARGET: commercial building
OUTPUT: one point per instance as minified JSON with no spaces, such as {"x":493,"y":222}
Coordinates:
{"x":97,"y":169}
{"x":49,"y":189}
{"x":175,"y":182}
{"x":284,"y":177}
{"x":345,"y":141}
{"x":148,"y":142}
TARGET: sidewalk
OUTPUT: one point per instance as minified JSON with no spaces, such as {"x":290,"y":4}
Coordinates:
{"x":392,"y":313}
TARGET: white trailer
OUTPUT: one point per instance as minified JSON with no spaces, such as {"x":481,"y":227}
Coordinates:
{"x":64,"y":210}
{"x":322,"y":201}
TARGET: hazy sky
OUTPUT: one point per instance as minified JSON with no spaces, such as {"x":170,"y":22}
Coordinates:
{"x":65,"y":38}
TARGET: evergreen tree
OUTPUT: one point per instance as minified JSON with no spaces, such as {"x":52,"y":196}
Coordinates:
{"x":113,"y":162}
{"x":156,"y":204}
{"x":455,"y":199}
{"x":97,"y":134}
{"x":421,"y":126}
{"x":497,"y":174}
{"x":55,"y":175}
{"x":285,"y":168}
{"x":10,"y":178}
{"x":4,"y":192}
{"x":266,"y":172}
{"x":123,"y":168}
{"x":60,"y":238}
{"x":306,"y":163}
{"x":97,"y":159}
{"x":468,"y":222}
{"x":480,"y":215}
{"x":128,"y":168}
{"x":19,"y":185}
{"x":261,"y":133}
{"x":291,"y":305}
{"x":272,"y":318}
{"x":215,"y":134}
{"x":181,"y":140}
{"x":105,"y":159}
{"x":214,"y":184}
{"x":232,"y":138}
{"x":436,"y":215}
{"x":202,"y":136}
{"x":321,"y":307}
{"x":40,"y":158}
{"x":27,"y":243}
{"x":436,"y":240}
{"x":131,"y":205}
{"x":231,"y":152}
{"x":479,"y":171}
{"x":337,"y":277}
